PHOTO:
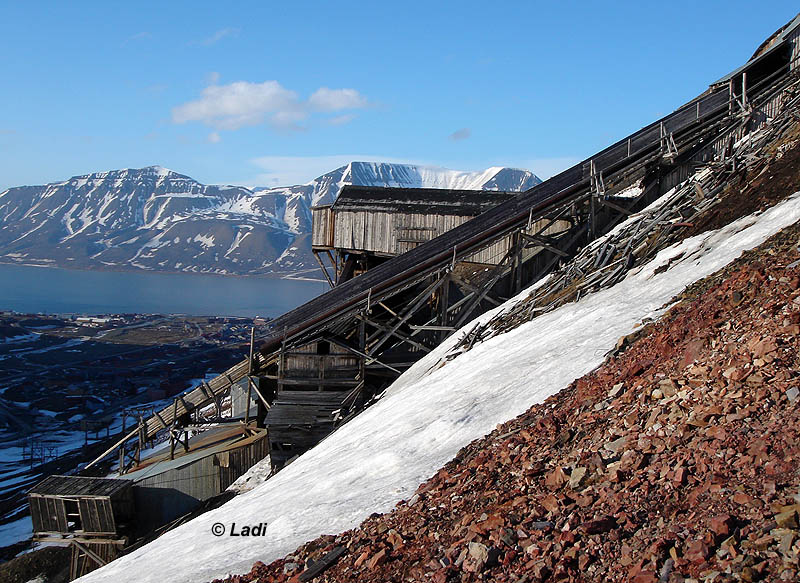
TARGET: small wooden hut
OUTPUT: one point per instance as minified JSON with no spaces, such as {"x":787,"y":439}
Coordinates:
{"x":94,"y":515}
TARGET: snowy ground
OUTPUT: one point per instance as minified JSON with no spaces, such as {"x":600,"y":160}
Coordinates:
{"x":431,"y":412}
{"x":15,"y":472}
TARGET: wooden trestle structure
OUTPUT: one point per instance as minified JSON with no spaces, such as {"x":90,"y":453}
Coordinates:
{"x":322,"y":362}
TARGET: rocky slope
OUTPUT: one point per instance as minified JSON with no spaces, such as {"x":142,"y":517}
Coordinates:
{"x":156,"y":219}
{"x":676,"y":460}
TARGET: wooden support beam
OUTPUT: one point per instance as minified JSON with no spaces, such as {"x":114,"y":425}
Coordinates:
{"x":317,"y":380}
{"x":444,"y":300}
{"x":188,"y":408}
{"x":90,"y":553}
{"x":324,"y":269}
{"x":496,"y":273}
{"x":369,"y":359}
{"x":392,"y":332}
{"x":542,"y":242}
{"x":160,"y":419}
{"x":324,"y":563}
{"x":119,"y":443}
{"x":408,"y":312}
{"x":616,"y":207}
{"x":465,"y":284}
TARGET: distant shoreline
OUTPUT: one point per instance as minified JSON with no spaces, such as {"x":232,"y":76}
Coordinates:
{"x":295,"y":275}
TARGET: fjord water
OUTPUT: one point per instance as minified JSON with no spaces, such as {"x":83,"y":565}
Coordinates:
{"x":63,"y":291}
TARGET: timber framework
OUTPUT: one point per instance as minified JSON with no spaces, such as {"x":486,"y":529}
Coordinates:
{"x":396,"y":296}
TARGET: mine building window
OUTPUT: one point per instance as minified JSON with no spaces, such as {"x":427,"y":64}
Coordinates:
{"x":323,"y":347}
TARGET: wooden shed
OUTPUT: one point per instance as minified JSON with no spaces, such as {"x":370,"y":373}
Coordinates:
{"x":368,"y":224}
{"x":94,"y":515}
{"x":81,"y":505}
{"x":165,"y":489}
{"x":391,"y":221}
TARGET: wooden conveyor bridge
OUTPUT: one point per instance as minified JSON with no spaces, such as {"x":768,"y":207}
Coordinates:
{"x":388,"y":317}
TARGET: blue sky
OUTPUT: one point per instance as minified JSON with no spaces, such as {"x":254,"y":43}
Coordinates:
{"x":272,"y":93}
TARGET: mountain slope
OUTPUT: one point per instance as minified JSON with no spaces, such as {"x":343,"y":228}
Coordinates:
{"x":645,"y":470}
{"x":432,"y":411}
{"x":156,"y":219}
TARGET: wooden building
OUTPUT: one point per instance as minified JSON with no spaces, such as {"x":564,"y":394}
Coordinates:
{"x":165,"y":489}
{"x":313,"y":383}
{"x":368,"y":224}
{"x":99,"y":517}
{"x":94,"y":515}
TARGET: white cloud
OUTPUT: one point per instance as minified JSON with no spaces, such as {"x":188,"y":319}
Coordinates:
{"x":325,"y":99}
{"x":213,"y":138}
{"x":139,"y":36}
{"x":219,"y":35}
{"x":236,"y":105}
{"x":289,"y":170}
{"x":340,"y":120}
{"x":212,"y":78}
{"x":241,"y":104}
{"x":461,"y":134}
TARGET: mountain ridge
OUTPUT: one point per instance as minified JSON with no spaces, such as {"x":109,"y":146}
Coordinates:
{"x":156,"y":219}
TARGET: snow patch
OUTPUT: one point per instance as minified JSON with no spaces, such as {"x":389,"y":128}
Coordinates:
{"x":432,"y":411}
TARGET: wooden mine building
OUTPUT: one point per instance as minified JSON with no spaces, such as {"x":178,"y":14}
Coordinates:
{"x":368,"y":224}
{"x":99,"y":517}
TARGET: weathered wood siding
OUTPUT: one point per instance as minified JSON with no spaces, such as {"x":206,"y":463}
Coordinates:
{"x":97,"y":516}
{"x":493,"y":254}
{"x":298,"y":420}
{"x":48,"y":514}
{"x":94,"y":506}
{"x":794,"y":42}
{"x":174,"y":492}
{"x":322,"y":227}
{"x":396,"y":233}
{"x":304,"y":368}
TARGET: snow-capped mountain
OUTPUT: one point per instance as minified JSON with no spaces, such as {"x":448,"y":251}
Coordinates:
{"x":156,"y":219}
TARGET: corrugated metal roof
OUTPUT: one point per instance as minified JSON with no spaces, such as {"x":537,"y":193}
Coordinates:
{"x":212,"y":444}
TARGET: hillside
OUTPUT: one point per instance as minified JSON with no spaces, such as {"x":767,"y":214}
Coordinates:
{"x":676,"y":458}
{"x":452,"y":397}
{"x":158,"y":220}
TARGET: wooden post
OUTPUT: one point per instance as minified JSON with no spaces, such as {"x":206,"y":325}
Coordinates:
{"x":250,"y":373}
{"x":444,"y":300}
{"x":121,"y":469}
{"x":362,"y":346}
{"x":730,"y":96}
{"x":744,"y":90}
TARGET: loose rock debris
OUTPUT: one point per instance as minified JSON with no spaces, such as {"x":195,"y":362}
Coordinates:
{"x":677,"y":460}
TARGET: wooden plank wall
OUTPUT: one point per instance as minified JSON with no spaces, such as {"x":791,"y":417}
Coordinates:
{"x":305,"y":369}
{"x":396,"y":233}
{"x":48,"y":514}
{"x":794,"y":42}
{"x":322,"y":227}
{"x":97,"y":516}
{"x":298,"y":420}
